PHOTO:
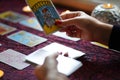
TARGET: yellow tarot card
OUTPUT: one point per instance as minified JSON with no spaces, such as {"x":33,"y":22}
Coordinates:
{"x":46,"y":14}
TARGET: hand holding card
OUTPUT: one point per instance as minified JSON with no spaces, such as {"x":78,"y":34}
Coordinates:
{"x":45,"y":13}
{"x":66,"y":65}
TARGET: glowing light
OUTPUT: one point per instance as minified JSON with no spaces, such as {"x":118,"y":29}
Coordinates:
{"x":107,"y":6}
{"x":1,"y":73}
{"x":26,"y":9}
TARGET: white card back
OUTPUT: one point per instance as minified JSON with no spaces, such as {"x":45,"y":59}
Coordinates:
{"x":14,"y":59}
{"x":56,"y":47}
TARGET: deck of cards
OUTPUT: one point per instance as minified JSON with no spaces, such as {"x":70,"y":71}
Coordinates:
{"x":66,"y":65}
{"x":57,"y":47}
{"x":45,"y":13}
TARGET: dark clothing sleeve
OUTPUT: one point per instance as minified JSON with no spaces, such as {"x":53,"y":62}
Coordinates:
{"x":114,"y":41}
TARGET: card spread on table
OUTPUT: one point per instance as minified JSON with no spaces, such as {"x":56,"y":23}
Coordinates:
{"x":27,"y":38}
{"x":63,"y":35}
{"x":56,"y":47}
{"x":45,"y":13}
{"x":12,"y":16}
{"x":32,"y":23}
{"x":14,"y":59}
{"x":4,"y":29}
{"x":66,"y":65}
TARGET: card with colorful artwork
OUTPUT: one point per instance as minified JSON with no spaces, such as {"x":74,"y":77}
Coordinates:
{"x":13,"y":16}
{"x":45,"y":13}
{"x":4,"y":29}
{"x":32,"y":23}
{"x":27,"y":38}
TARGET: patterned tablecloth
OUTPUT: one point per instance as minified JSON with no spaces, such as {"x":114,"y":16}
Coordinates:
{"x":98,"y":63}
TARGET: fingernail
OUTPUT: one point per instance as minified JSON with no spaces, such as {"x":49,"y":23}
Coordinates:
{"x":66,"y":54}
{"x":58,"y":22}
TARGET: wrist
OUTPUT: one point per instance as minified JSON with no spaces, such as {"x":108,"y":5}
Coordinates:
{"x":104,"y":33}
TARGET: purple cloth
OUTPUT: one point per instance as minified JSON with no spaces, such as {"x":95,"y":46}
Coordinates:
{"x":98,"y":63}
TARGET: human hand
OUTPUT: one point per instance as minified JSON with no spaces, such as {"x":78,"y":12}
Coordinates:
{"x":48,"y":71}
{"x":81,"y":25}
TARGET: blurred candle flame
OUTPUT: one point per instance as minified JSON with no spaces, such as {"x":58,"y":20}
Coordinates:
{"x":1,"y":73}
{"x":107,"y":6}
{"x":26,"y":9}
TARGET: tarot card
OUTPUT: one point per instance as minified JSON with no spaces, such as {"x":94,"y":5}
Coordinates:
{"x":27,"y":38}
{"x":14,"y":59}
{"x":45,"y":13}
{"x":72,"y":53}
{"x":39,"y":56}
{"x":63,"y":35}
{"x":12,"y":16}
{"x":32,"y":23}
{"x":4,"y":29}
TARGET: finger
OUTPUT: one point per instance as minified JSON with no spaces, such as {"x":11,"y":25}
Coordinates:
{"x":69,"y":28}
{"x":71,"y":34}
{"x":64,"y":29}
{"x":70,"y":14}
{"x":39,"y":70}
{"x":66,"y":22}
{"x":67,"y":11}
{"x":66,"y":54}
{"x":60,"y":53}
{"x":55,"y":55}
{"x":74,"y":33}
{"x":51,"y":58}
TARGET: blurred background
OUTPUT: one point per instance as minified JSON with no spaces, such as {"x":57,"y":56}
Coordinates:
{"x":85,"y":5}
